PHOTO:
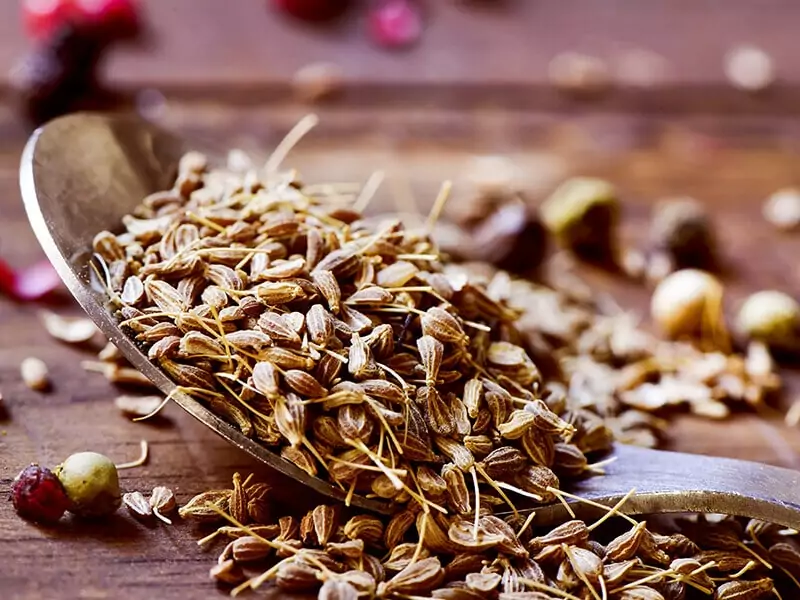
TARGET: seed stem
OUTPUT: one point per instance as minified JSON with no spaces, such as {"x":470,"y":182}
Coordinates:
{"x":291,"y":139}
{"x":143,"y":452}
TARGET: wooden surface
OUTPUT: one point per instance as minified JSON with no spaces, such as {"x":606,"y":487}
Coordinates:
{"x":224,"y":74}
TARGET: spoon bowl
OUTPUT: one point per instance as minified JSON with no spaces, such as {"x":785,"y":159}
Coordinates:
{"x":80,"y":174}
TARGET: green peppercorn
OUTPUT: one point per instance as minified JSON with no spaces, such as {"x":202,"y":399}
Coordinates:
{"x":92,"y":484}
{"x":771,"y":317}
{"x":582,"y":214}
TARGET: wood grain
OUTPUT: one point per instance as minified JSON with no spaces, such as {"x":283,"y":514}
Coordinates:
{"x":475,"y":85}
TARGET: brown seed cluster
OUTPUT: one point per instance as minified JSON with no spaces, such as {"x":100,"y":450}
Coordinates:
{"x":345,"y":344}
{"x":611,"y":369}
{"x":430,"y":555}
{"x":354,"y":350}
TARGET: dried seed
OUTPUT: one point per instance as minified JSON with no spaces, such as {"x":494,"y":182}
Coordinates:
{"x":401,"y":556}
{"x":745,"y":590}
{"x":457,"y":491}
{"x":137,"y":504}
{"x":307,"y":534}
{"x":539,"y":447}
{"x":187,"y":375}
{"x":354,"y":423}
{"x":371,"y":295}
{"x":35,"y":374}
{"x":227,"y":572}
{"x":319,"y":324}
{"x":258,"y":505}
{"x":626,"y":545}
{"x":163,"y":295}
{"x":350,"y":549}
{"x":461,"y":534}
{"x":138,"y":406}
{"x":440,"y":324}
{"x":397,"y":274}
{"x":328,"y":287}
{"x":297,"y":577}
{"x":503,"y":462}
{"x":641,"y":592}
{"x":334,"y":589}
{"x":300,"y":458}
{"x":324,"y":518}
{"x":238,"y":500}
{"x":266,"y":379}
{"x":398,"y":526}
{"x":202,"y":507}
{"x":304,"y":384}
{"x":73,"y":330}
{"x":416,"y":579}
{"x":274,"y":325}
{"x":162,"y":501}
{"x":518,"y":423}
{"x":366,"y":528}
{"x":431,"y":352}
{"x":439,"y":414}
{"x":484,"y":583}
{"x":573,"y":533}
{"x":250,"y":549}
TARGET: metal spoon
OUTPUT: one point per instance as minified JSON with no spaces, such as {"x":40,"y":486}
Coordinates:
{"x":81,"y":173}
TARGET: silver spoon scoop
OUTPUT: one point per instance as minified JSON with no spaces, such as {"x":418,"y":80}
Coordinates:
{"x":82,"y":173}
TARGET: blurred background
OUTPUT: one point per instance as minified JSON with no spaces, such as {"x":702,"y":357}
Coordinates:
{"x":692,"y":99}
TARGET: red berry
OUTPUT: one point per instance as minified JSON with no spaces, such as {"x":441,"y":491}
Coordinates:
{"x":395,"y":23}
{"x":42,"y":17}
{"x":116,"y":17}
{"x":312,"y":10}
{"x":7,"y":277}
{"x":36,"y":281}
{"x":38,"y":495}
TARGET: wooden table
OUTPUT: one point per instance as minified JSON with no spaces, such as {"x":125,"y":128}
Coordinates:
{"x":477,"y":83}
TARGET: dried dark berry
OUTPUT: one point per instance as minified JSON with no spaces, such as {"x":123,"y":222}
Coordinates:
{"x":55,"y":76}
{"x":312,"y":10}
{"x":38,"y":495}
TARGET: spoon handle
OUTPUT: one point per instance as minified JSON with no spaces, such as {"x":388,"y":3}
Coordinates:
{"x":673,"y":482}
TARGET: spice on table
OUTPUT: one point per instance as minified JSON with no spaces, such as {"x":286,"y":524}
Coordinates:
{"x":749,"y":68}
{"x":782,"y":209}
{"x":138,"y":406}
{"x":332,"y":345}
{"x":35,"y":374}
{"x":37,"y":495}
{"x":772,"y":317}
{"x":138,"y":505}
{"x":682,"y":229}
{"x":317,"y":81}
{"x":580,"y":75}
{"x":582,"y":214}
{"x":429,"y":554}
{"x":73,"y":330}
{"x":91,"y":483}
{"x":162,"y":501}
{"x":689,"y":303}
{"x":394,"y":24}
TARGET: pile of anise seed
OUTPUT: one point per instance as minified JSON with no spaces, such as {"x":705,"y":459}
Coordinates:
{"x":417,"y":554}
{"x":354,"y":349}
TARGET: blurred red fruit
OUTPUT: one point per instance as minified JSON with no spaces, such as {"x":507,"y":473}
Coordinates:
{"x":115,"y":18}
{"x":42,"y":17}
{"x":395,"y":23}
{"x":312,"y":10}
{"x":38,"y":495}
{"x":118,"y":17}
{"x":35,"y":282}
